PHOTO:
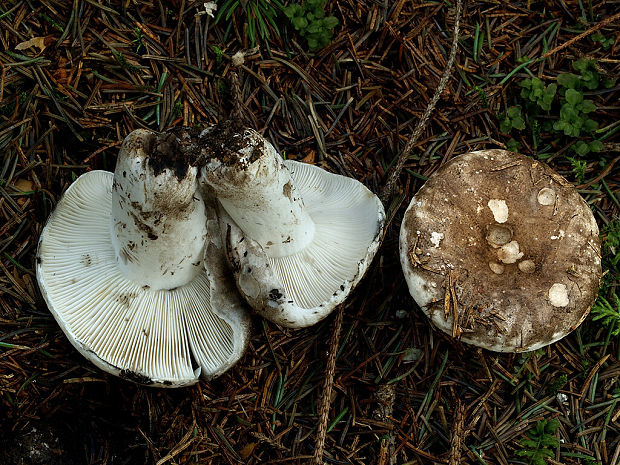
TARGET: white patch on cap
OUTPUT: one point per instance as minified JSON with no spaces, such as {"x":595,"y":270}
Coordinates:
{"x":499,"y":210}
{"x":509,"y":253}
{"x":527,"y":266}
{"x":559,"y":236}
{"x":546,"y":196}
{"x":558,"y":295}
{"x":496,"y":268}
{"x":498,"y":235}
{"x":436,"y":238}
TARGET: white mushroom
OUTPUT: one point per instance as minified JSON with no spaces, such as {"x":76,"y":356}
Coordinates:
{"x":299,"y":238}
{"x":532,"y":270}
{"x":120,"y":264}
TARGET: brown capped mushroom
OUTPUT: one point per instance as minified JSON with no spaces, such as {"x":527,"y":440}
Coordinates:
{"x":501,"y":251}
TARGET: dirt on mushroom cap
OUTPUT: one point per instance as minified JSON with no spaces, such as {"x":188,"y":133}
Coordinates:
{"x":475,"y":289}
{"x":176,"y":149}
{"x":225,"y":141}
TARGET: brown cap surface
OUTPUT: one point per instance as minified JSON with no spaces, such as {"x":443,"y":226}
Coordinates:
{"x":501,"y":251}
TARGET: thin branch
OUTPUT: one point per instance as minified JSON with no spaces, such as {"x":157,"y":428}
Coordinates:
{"x":328,"y":384}
{"x":592,"y":30}
{"x":443,"y":82}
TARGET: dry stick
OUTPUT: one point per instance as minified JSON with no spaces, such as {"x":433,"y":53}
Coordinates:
{"x":459,"y":431}
{"x":328,"y":382}
{"x":593,"y":29}
{"x":443,"y":82}
{"x":237,"y":98}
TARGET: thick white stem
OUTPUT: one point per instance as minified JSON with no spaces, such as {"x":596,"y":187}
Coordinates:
{"x":158,"y":219}
{"x":255,"y":188}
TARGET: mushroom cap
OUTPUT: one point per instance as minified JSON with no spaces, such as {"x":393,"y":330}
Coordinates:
{"x":165,"y":338}
{"x":501,"y":251}
{"x":299,"y":290}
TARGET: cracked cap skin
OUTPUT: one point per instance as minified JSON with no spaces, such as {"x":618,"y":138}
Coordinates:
{"x":500,"y":251}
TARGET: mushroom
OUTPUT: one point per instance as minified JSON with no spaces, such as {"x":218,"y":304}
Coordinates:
{"x":299,"y":238}
{"x":131,"y":269}
{"x":517,"y":265}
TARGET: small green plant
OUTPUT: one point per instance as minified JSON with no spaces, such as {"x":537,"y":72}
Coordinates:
{"x":219,"y":53}
{"x":536,"y":91}
{"x":611,"y":245}
{"x":125,"y":64}
{"x":540,"y":442}
{"x":573,"y":119}
{"x":609,"y":316}
{"x":310,"y":21}
{"x":559,"y":110}
{"x":513,"y":119}
{"x":588,"y":77}
{"x":260,"y":15}
{"x":558,"y":384}
{"x":139,"y":40}
{"x":178,"y":108}
{"x":606,"y":42}
{"x":579,"y":168}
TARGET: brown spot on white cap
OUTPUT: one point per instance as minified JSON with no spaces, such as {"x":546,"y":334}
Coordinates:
{"x":546,"y":196}
{"x":514,"y":310}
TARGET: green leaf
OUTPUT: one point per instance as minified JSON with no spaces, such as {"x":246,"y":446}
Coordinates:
{"x":588,"y":106}
{"x":568,"y":113}
{"x":589,"y":125}
{"x":313,"y":44}
{"x":573,"y":96}
{"x":513,"y":145}
{"x":568,"y":80}
{"x":590,"y":79}
{"x":545,"y":105}
{"x":596,"y":146}
{"x":513,"y":112}
{"x":518,"y":123}
{"x":583,"y":64}
{"x":314,"y":27}
{"x":299,"y":22}
{"x":292,"y":10}
{"x":537,"y":83}
{"x":330,"y":22}
{"x":547,"y":126}
{"x":550,"y":90}
{"x":505,"y":126}
{"x":581,"y":148}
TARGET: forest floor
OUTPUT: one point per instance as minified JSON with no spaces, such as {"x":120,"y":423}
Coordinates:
{"x":77,"y":77}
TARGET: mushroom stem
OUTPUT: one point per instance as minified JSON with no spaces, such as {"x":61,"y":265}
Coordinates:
{"x":158,"y":219}
{"x":251,"y":182}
